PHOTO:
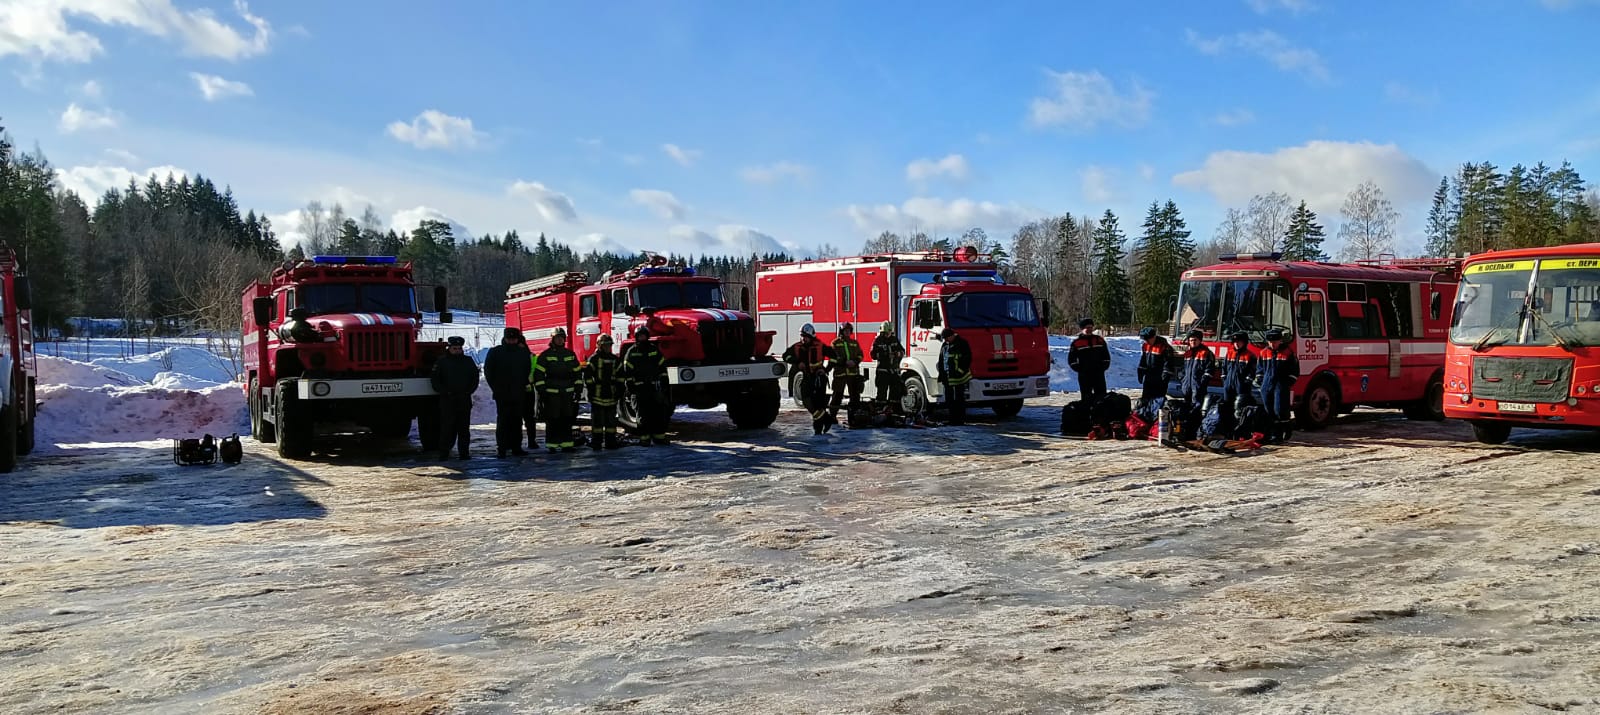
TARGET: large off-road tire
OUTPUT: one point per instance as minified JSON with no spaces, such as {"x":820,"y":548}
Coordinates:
{"x":1431,"y":407}
{"x":915,"y":400}
{"x":428,"y":424}
{"x":1491,"y":432}
{"x":25,"y":443}
{"x":797,"y":387}
{"x":8,"y":438}
{"x":293,"y":422}
{"x":264,"y":432}
{"x":1007,"y":408}
{"x":1319,"y":405}
{"x":756,"y":408}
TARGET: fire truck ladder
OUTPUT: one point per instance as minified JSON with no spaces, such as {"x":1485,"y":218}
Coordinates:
{"x":552,"y":283}
{"x":1446,"y":264}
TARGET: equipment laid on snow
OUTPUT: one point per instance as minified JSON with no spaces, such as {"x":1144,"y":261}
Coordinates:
{"x":1113,"y":409}
{"x":1077,"y":418}
{"x":194,"y":452}
{"x":231,"y":451}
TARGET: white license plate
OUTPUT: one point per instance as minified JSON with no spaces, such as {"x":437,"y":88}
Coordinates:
{"x":733,"y":372}
{"x":1005,"y":386}
{"x":382,"y":387}
{"x":1517,"y":407}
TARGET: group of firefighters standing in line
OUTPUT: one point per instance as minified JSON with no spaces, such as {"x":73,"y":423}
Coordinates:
{"x":1272,"y":368}
{"x":528,"y":388}
{"x":815,"y":360}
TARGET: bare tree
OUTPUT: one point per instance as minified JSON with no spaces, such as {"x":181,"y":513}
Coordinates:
{"x":1231,"y":234}
{"x":886,"y":242}
{"x":1267,"y":219}
{"x":209,"y":298}
{"x":316,"y":229}
{"x":828,"y":250}
{"x":1369,"y":222}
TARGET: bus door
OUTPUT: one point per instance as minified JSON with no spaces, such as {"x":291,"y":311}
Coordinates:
{"x":1311,"y":329}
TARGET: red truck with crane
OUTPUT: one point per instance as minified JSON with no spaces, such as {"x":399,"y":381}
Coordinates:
{"x":357,"y":359}
{"x":714,"y":354}
{"x":19,"y":407}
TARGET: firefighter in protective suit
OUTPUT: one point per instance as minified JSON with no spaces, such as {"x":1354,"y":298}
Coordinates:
{"x":645,"y":371}
{"x":846,"y":366}
{"x":602,"y":379}
{"x":887,"y":352}
{"x":297,"y":329}
{"x":807,"y":357}
{"x":555,"y":378}
{"x":955,"y":372}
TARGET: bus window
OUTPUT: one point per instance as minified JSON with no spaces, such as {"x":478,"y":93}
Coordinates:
{"x":1393,"y":305}
{"x":1356,"y":321}
{"x":1199,"y":306}
{"x":1254,"y":306}
{"x":1568,"y":301}
{"x":1310,"y":318}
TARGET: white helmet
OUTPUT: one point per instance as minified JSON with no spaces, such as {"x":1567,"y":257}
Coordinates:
{"x":808,"y":330}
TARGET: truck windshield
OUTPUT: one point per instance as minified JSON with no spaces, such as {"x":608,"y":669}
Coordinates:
{"x":991,"y":310}
{"x":678,"y":295}
{"x":1494,"y":307}
{"x":324,"y":298}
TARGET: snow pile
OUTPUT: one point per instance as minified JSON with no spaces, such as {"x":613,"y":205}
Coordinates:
{"x":188,"y":360}
{"x":1124,"y":372}
{"x":60,"y":371}
{"x":83,"y":402}
{"x":180,"y":381}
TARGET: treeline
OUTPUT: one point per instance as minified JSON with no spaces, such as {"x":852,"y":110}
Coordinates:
{"x":1482,"y":209}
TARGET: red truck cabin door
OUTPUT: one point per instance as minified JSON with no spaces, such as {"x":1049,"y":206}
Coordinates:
{"x":590,"y":326}
{"x":845,"y":299}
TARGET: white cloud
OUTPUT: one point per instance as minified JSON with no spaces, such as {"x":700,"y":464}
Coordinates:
{"x":92,"y":90}
{"x":1146,"y":172}
{"x":434,"y":129}
{"x":1402,"y":94}
{"x":936,"y":215}
{"x":1096,"y":185}
{"x":1267,"y":45}
{"x":953,"y":166}
{"x":40,"y":30}
{"x":597,"y":243}
{"x":1234,"y":118}
{"x":774,"y":173}
{"x":1084,"y":100}
{"x":122,"y":155}
{"x":1295,"y":7}
{"x":405,"y":221}
{"x":76,"y":119}
{"x":92,"y":182}
{"x":1320,"y":172}
{"x":663,"y":203}
{"x":215,"y":88}
{"x":686,"y":157}
{"x":730,"y":240}
{"x":552,"y":205}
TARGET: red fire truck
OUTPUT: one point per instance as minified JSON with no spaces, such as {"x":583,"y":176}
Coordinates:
{"x":357,"y":361}
{"x":18,"y":406}
{"x":1525,"y":341}
{"x":1368,"y":333}
{"x":714,"y":354}
{"x":920,"y":294}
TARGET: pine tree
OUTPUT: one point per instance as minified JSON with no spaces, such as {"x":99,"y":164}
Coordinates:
{"x":1441,"y":234}
{"x":1303,"y":240}
{"x":1112,"y":302}
{"x":1163,"y":254}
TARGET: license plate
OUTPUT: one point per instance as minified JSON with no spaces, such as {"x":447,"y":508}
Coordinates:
{"x":382,"y":387}
{"x":1517,"y":407}
{"x":733,"y":372}
{"x":1005,"y":385}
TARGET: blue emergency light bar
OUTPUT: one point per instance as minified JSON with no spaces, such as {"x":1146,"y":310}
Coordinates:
{"x":988,"y":275}
{"x":667,"y":271}
{"x":341,"y":260}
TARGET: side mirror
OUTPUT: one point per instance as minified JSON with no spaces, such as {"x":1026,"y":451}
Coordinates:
{"x":744,"y":299}
{"x":441,"y":303}
{"x":261,"y":311}
{"x":631,"y":310}
{"x":24,"y":293}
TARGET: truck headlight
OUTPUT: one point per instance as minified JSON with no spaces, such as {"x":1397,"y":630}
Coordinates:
{"x":321,"y":389}
{"x":686,"y":375}
{"x":777,"y":369}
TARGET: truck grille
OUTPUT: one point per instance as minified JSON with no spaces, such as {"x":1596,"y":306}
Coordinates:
{"x":1521,"y":379}
{"x":378,"y":347}
{"x":732,"y":341}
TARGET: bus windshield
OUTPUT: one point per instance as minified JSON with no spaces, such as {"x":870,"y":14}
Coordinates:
{"x":1494,"y":306}
{"x":991,"y":310}
{"x":1220,"y":307}
{"x":325,"y":298}
{"x":700,"y":294}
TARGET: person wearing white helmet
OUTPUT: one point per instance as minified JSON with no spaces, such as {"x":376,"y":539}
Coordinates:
{"x":808,"y":357}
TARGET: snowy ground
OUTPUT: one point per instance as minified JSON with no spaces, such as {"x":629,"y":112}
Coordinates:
{"x":1378,"y":566}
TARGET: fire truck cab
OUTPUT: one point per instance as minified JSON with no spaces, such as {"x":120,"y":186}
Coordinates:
{"x":920,"y":294}
{"x":357,"y":360}
{"x":714,"y":354}
{"x":1367,"y":333}
{"x":18,"y":404}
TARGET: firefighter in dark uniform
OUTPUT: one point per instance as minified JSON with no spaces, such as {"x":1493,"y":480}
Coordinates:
{"x":455,"y":378}
{"x":1155,"y":367}
{"x":1199,"y":366}
{"x":645,"y":371}
{"x":806,"y":357}
{"x":1238,"y":381}
{"x":846,"y":368}
{"x":1090,"y":357}
{"x":555,"y":378}
{"x":507,"y":368}
{"x":1277,"y":372}
{"x":955,"y":372}
{"x":887,"y":352}
{"x":602,"y":379}
{"x":297,"y":329}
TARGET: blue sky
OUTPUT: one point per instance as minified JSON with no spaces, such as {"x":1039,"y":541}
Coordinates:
{"x":726,"y":126}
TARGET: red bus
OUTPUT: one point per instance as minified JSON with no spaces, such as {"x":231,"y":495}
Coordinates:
{"x":1525,"y":341}
{"x":1369,"y":333}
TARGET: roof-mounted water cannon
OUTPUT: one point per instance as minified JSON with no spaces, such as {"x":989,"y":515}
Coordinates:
{"x":1257,"y":256}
